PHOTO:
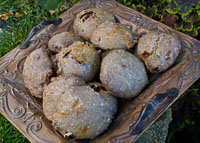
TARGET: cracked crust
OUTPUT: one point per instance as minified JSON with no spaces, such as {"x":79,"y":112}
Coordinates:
{"x":54,"y":91}
{"x":110,"y":35}
{"x":158,"y":51}
{"x":83,"y":112}
{"x":80,"y":59}
{"x":87,"y":21}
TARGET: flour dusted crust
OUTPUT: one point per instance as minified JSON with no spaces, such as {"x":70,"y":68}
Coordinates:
{"x":37,"y":71}
{"x":87,"y":21}
{"x":83,"y":112}
{"x":110,"y":36}
{"x":158,"y":50}
{"x":54,"y":91}
{"x":123,"y":74}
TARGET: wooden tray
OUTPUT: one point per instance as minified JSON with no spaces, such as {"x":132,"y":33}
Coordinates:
{"x":26,"y":114}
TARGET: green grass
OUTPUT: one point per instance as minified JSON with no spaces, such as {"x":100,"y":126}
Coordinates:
{"x":9,"y":134}
{"x":32,"y":15}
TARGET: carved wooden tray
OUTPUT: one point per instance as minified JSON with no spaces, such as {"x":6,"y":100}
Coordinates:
{"x":26,"y":114}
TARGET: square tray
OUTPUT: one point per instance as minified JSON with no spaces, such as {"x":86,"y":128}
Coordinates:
{"x":26,"y":114}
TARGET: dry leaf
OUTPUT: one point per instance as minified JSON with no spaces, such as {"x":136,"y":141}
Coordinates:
{"x":11,"y":13}
{"x":4,"y":16}
{"x":17,"y":14}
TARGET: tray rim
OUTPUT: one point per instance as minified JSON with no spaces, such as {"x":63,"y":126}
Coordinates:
{"x":94,"y":3}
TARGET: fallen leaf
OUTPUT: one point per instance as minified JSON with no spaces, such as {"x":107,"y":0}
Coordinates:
{"x":11,"y":13}
{"x":4,"y":16}
{"x":17,"y":14}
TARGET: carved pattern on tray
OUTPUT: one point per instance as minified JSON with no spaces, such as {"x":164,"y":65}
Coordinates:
{"x":21,"y":113}
{"x":180,"y":76}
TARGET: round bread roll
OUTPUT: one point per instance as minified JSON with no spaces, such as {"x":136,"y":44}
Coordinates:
{"x":110,"y":35}
{"x":54,"y":91}
{"x":84,"y":113}
{"x":62,"y":40}
{"x":87,"y":20}
{"x":80,"y":59}
{"x":123,"y":74}
{"x":158,"y":50}
{"x":37,"y":71}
